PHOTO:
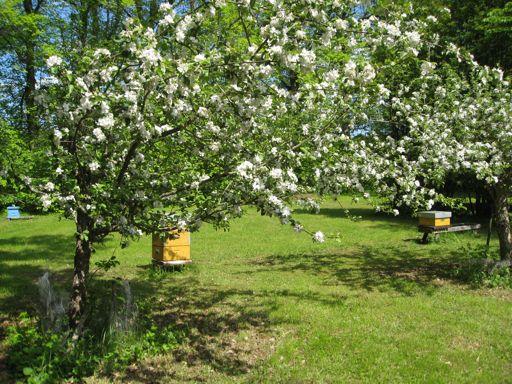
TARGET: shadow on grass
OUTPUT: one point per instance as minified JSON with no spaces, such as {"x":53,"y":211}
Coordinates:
{"x":365,"y":213}
{"x":377,"y":219}
{"x":387,"y":220}
{"x":20,"y":269}
{"x":54,"y":248}
{"x":212,"y":320}
{"x":371,"y":268}
{"x":226,"y":329}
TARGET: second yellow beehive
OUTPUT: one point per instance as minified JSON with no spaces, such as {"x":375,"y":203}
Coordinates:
{"x":435,"y":218}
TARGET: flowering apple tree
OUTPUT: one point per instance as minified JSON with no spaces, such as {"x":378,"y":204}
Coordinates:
{"x":458,"y":116}
{"x":223,"y":104}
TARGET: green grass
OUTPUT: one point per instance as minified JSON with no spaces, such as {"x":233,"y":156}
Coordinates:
{"x":264,"y":304}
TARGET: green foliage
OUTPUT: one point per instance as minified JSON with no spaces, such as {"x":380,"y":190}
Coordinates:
{"x":14,"y":151}
{"x":15,"y":156}
{"x":42,"y":357}
{"x":498,"y":278}
{"x":456,"y":204}
{"x":478,"y":27}
{"x":499,"y":20}
{"x":29,"y":202}
{"x":38,"y":356}
{"x":482,"y":26}
{"x":19,"y":159}
{"x":106,"y":265}
{"x":123,"y":350}
{"x":19,"y":25}
{"x":480,"y":270}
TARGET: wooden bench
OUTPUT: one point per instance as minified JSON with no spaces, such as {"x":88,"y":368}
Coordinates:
{"x":427,"y":230}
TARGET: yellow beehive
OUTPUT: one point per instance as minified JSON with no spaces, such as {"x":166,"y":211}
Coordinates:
{"x":435,"y":219}
{"x":172,"y":248}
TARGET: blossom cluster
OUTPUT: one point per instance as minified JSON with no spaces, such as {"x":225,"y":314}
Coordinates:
{"x":190,"y":121}
{"x":457,"y":119}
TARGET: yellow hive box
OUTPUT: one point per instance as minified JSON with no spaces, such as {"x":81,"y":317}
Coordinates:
{"x":435,"y":218}
{"x":173,"y":248}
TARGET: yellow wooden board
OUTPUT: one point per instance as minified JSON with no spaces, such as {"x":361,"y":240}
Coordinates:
{"x":171,"y":253}
{"x":431,"y":222}
{"x":182,"y":239}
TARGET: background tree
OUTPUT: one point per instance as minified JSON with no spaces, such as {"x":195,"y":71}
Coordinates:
{"x":458,"y":119}
{"x":22,"y":25}
{"x":468,"y":24}
{"x":480,"y":26}
{"x":32,"y":30}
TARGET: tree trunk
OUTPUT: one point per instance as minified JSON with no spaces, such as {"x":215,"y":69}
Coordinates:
{"x":30,"y":81}
{"x":83,"y":28}
{"x":502,"y":220}
{"x":153,"y":13}
{"x":139,"y":10}
{"x":81,"y":271}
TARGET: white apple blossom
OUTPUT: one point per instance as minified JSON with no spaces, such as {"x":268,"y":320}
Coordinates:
{"x":276,"y":173}
{"x":165,"y":7}
{"x":427,"y":67}
{"x":274,"y":200}
{"x":332,"y":75}
{"x":46,"y":201}
{"x":368,"y":73}
{"x":53,"y":61}
{"x":167,"y":20}
{"x":101,"y":52}
{"x":414,"y":37}
{"x":94,"y":166}
{"x":319,"y":237}
{"x":151,"y":55}
{"x":341,"y":24}
{"x":257,"y":185}
{"x":244,"y":167}
{"x":351,"y":70}
{"x":199,"y":58}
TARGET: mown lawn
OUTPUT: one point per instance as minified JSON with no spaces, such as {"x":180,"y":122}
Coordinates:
{"x":264,"y":304}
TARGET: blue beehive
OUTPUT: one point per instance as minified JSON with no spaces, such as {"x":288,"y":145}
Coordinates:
{"x":13,"y":212}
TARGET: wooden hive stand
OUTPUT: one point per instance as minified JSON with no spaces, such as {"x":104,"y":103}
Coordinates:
{"x":437,"y":222}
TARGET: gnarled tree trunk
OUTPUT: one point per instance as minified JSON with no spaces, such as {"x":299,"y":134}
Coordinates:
{"x":83,"y":252}
{"x":502,"y":219}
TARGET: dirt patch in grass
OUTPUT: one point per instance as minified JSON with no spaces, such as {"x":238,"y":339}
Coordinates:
{"x":463,"y":343}
{"x":226,"y":334}
{"x":504,"y":294}
{"x":220,"y":359}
